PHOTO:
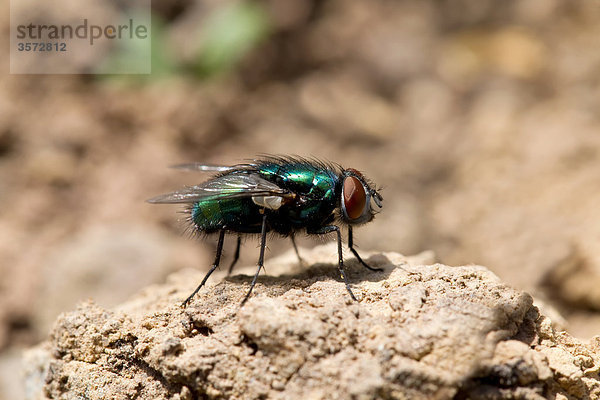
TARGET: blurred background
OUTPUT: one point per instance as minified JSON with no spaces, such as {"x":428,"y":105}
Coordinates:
{"x":479,"y":118}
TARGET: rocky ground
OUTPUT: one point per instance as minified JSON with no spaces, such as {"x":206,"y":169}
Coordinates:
{"x":420,"y":330}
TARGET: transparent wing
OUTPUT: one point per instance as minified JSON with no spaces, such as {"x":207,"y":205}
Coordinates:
{"x":225,"y":187}
{"x":200,"y":167}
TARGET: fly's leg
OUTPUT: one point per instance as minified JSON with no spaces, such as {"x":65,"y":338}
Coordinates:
{"x":261,"y":258}
{"x":350,"y":245}
{"x":328,"y":229}
{"x":212,"y":269}
{"x":296,"y":249}
{"x":236,"y":255}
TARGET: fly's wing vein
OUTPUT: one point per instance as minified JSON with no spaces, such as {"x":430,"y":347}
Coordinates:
{"x":225,"y":187}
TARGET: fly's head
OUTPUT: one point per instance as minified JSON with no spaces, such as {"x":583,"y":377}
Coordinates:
{"x":360,"y":200}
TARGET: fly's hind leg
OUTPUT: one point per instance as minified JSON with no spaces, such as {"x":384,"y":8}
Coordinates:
{"x":328,"y":229}
{"x":351,"y":246}
{"x":212,"y":269}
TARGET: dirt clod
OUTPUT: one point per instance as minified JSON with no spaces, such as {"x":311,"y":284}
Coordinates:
{"x":419,"y":331}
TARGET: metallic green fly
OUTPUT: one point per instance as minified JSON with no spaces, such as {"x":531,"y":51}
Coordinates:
{"x":285,"y":195}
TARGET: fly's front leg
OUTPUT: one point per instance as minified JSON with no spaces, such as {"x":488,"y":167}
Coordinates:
{"x":351,"y":246}
{"x":261,"y":258}
{"x":212,"y":269}
{"x":328,"y":229}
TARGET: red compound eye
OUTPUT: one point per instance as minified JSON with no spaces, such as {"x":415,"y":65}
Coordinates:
{"x":355,"y":198}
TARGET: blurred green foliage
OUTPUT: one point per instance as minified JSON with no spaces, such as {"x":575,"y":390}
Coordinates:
{"x":231,"y":32}
{"x":227,"y":34}
{"x":131,"y":53}
{"x":163,"y":61}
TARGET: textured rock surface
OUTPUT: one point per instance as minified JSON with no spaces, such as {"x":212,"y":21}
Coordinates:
{"x":419,"y":331}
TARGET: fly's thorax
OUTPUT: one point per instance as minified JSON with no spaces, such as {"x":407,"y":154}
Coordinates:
{"x":302,"y":179}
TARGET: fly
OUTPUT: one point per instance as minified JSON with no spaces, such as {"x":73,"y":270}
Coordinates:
{"x":285,"y":195}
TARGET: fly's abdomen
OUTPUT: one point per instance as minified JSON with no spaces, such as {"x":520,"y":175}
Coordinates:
{"x":239,"y":215}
